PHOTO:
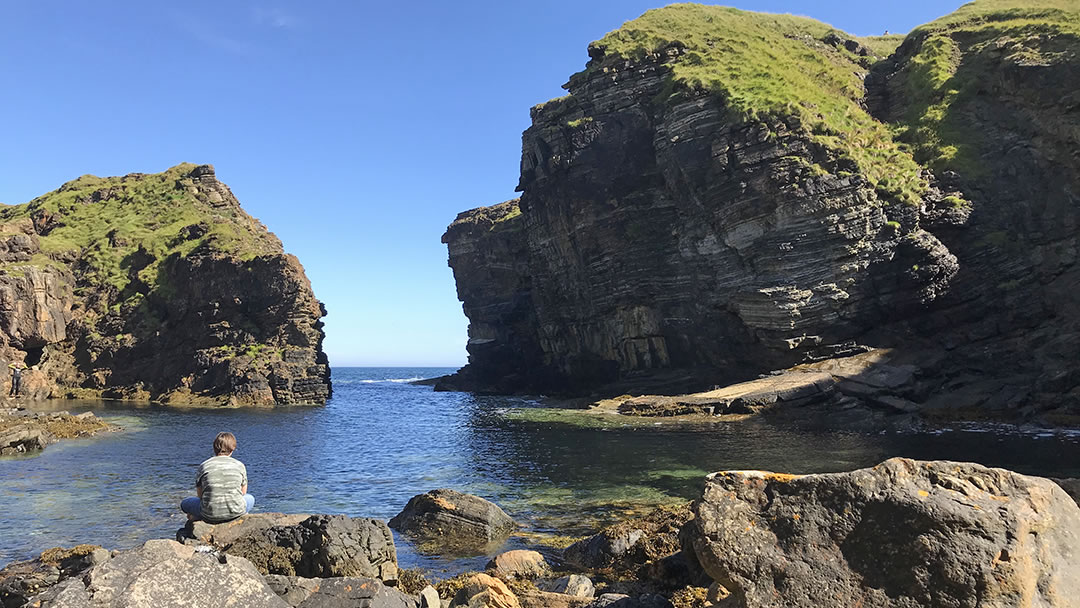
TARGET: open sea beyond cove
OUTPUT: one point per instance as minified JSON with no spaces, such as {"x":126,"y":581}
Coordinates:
{"x":382,"y":440}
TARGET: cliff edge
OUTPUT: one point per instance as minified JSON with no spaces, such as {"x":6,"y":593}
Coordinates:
{"x":156,"y":288}
{"x":724,"y":193}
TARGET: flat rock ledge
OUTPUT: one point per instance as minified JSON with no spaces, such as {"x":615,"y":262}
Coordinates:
{"x":902,"y":534}
{"x":23,"y":431}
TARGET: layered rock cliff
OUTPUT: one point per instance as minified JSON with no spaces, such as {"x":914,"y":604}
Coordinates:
{"x":725,"y":193}
{"x":156,"y":287}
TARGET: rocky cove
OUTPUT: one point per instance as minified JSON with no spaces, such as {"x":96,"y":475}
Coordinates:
{"x":696,"y":213}
{"x":813,"y":297}
{"x":561,"y":475}
{"x":903,"y":533}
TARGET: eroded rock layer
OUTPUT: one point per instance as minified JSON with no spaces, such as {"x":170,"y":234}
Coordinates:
{"x":678,"y":228}
{"x":156,"y":287}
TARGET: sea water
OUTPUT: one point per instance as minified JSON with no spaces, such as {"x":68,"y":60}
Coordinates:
{"x":381,"y":440}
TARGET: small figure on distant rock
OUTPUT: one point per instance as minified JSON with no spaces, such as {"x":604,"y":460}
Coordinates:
{"x":221,"y":485}
{"x":886,"y":33}
{"x":17,"y":368}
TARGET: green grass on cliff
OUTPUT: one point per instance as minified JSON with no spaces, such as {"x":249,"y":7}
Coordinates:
{"x":950,"y":64}
{"x":132,"y":217}
{"x":765,"y":66}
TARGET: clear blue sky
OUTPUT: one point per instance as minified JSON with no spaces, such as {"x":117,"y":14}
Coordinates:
{"x":356,"y":131}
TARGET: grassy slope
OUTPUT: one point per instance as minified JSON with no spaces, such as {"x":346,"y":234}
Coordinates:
{"x":146,"y":212}
{"x":936,"y":84}
{"x":765,"y":65}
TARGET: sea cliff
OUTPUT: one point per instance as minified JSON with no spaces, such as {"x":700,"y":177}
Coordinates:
{"x":156,"y":288}
{"x":725,"y":193}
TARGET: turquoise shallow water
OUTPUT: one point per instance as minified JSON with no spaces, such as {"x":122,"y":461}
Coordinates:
{"x":381,"y":440}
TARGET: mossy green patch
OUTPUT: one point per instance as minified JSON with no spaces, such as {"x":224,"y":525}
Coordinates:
{"x":115,"y":232}
{"x":767,"y":67}
{"x":954,"y":58}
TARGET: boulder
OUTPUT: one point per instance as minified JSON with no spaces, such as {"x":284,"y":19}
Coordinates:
{"x":574,"y":584}
{"x":628,"y":545}
{"x":518,"y":564}
{"x":483,"y":591}
{"x":338,"y":592}
{"x":21,"y":439}
{"x":535,"y":598}
{"x":311,"y":546}
{"x":618,"y":600}
{"x":904,"y":533}
{"x":163,"y":574}
{"x":429,"y":598}
{"x":1071,"y":487}
{"x":20,"y":581}
{"x":449,"y":521}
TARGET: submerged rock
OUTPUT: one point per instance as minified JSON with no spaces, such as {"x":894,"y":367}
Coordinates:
{"x":902,"y":534}
{"x":23,"y":431}
{"x":447,"y":520}
{"x":311,"y":546}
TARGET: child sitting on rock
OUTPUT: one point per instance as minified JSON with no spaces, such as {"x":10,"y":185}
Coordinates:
{"x":221,"y":485}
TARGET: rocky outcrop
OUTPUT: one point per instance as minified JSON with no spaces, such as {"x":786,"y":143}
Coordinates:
{"x":671,"y":236}
{"x":156,"y":288}
{"x":309,"y":546}
{"x":338,"y":592}
{"x":519,"y":564}
{"x":447,"y":521}
{"x":904,"y":533}
{"x":23,"y":432}
{"x":162,"y":574}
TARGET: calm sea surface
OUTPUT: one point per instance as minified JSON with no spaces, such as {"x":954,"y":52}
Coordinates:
{"x":381,"y":440}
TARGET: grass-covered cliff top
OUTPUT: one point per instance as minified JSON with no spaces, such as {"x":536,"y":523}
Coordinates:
{"x":945,"y":64}
{"x":763,"y":65}
{"x":114,"y":230}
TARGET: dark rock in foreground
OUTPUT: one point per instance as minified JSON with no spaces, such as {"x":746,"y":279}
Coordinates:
{"x":450,"y":521}
{"x":338,"y":592}
{"x":902,"y":534}
{"x":642,"y":549}
{"x":311,"y":546}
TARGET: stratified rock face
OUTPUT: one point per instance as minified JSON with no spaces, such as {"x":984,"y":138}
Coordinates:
{"x":157,"y":287}
{"x":678,"y":235}
{"x":904,"y":533}
{"x":676,"y":222}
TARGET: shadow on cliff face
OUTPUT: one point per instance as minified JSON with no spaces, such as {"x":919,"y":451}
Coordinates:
{"x":663,"y":245}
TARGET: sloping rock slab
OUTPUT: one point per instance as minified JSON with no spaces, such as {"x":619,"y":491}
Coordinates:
{"x":313,"y":546}
{"x":902,"y":534}
{"x":163,"y":574}
{"x":455,"y":521}
{"x":338,"y":592}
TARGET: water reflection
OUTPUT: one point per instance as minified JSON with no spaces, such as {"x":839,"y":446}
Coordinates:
{"x":381,"y":441}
